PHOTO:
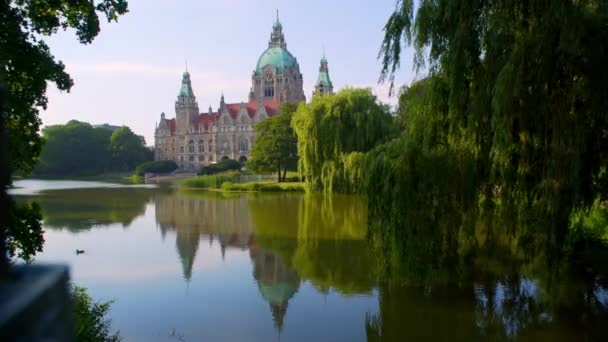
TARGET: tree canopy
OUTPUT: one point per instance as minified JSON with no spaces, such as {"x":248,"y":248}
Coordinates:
{"x":79,"y":149}
{"x":333,"y":133}
{"x":508,"y":120}
{"x":128,"y":150}
{"x":275,"y":148}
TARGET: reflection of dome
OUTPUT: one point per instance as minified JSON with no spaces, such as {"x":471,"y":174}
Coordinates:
{"x":278,"y":57}
{"x":278,"y":293}
{"x":277,"y":282}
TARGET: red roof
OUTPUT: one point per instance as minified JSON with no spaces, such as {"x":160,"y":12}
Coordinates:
{"x":271,"y":106}
{"x":205,"y":119}
{"x":171,"y":124}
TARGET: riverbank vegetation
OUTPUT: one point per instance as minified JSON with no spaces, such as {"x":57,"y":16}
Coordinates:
{"x":209,"y":181}
{"x":222,"y":166}
{"x":334,"y":132}
{"x":161,"y":166}
{"x":263,"y":187}
{"x":79,"y":149}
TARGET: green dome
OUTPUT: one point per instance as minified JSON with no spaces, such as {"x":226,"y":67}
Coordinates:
{"x":278,"y":57}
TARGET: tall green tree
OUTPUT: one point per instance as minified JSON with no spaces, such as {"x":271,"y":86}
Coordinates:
{"x":128,"y":150}
{"x":74,"y":149}
{"x":333,"y":134}
{"x":26,"y":65}
{"x":275,"y":148}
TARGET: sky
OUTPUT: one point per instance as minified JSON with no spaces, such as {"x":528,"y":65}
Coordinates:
{"x":132,"y":70}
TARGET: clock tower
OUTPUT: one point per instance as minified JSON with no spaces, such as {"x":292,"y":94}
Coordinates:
{"x":277,"y":75}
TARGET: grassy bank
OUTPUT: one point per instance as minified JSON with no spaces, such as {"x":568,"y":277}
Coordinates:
{"x":209,"y":181}
{"x":263,"y":187}
{"x":229,"y":181}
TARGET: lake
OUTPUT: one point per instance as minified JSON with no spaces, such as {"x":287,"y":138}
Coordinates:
{"x":196,"y":266}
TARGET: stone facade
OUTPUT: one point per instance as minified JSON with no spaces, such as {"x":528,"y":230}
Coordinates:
{"x":194,"y":139}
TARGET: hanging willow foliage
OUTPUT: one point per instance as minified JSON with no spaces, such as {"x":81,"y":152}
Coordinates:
{"x":520,"y":88}
{"x":334,"y":132}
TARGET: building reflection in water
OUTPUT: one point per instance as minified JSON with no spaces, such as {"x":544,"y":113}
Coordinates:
{"x":277,"y":282}
{"x":227,"y":221}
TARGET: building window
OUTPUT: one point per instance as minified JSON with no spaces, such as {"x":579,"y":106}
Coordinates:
{"x":181,"y":158}
{"x":191,"y":158}
{"x":191,"y":146}
{"x":201,"y":158}
{"x":243,"y":144}
{"x":269,"y":91}
{"x":181,"y":149}
{"x":201,"y":146}
{"x":210,"y":158}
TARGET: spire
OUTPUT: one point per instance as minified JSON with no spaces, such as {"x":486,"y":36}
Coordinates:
{"x":277,"y":22}
{"x":277,"y":39}
{"x":222,"y":103}
{"x":324,"y":85}
{"x":186,"y":88}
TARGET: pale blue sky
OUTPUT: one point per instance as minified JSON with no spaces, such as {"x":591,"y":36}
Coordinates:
{"x":132,"y":71}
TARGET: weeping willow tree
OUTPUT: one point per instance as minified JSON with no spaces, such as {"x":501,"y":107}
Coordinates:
{"x":513,"y":111}
{"x":333,"y":134}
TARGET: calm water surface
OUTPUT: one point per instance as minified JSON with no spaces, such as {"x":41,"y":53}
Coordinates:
{"x":264,"y":267}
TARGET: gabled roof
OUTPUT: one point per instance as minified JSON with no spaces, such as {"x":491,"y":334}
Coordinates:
{"x":205,"y":119}
{"x":171,"y":125}
{"x":271,"y":106}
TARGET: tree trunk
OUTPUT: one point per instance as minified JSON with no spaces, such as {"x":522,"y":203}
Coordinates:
{"x":279,"y":172}
{"x":284,"y":173}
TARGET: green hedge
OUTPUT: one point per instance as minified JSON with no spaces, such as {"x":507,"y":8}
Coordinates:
{"x":224,"y":165}
{"x":209,"y":181}
{"x":163,"y":166}
{"x":264,"y":187}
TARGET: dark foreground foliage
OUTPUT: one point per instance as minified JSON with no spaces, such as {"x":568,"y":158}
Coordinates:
{"x":90,"y":321}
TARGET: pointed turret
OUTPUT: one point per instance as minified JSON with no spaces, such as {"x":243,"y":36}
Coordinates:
{"x":323,"y":85}
{"x":186,"y":108}
{"x":277,"y":38}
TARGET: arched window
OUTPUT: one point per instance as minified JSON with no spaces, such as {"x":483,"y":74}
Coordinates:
{"x":201,"y":146}
{"x":210,"y":145}
{"x":191,"y":146}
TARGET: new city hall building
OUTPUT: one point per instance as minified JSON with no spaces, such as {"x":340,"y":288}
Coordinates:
{"x":193,"y":139}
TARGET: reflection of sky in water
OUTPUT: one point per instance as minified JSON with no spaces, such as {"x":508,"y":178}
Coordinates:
{"x":34,"y":186}
{"x":141,"y":269}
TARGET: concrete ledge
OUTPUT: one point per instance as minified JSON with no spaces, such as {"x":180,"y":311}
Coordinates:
{"x":36,"y":306}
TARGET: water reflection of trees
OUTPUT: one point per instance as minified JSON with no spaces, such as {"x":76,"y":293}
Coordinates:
{"x":470,"y":280}
{"x":82,"y":209}
{"x":321,"y":237}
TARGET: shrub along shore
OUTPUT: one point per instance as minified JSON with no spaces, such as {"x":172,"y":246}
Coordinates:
{"x":230,"y":181}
